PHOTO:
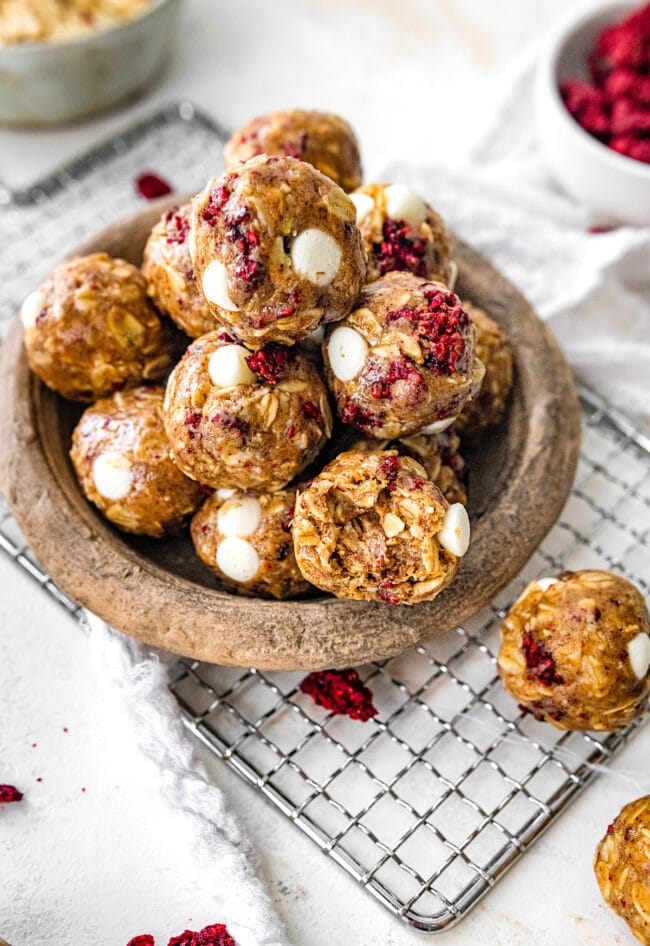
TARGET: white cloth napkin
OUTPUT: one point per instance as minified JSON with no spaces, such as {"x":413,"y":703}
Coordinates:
{"x":594,"y":290}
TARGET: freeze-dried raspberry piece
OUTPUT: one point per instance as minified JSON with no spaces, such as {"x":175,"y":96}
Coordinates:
{"x":587,"y":105}
{"x":629,"y":118}
{"x":145,"y":939}
{"x":150,"y":185}
{"x":9,"y":793}
{"x":341,"y":692}
{"x":632,"y":147}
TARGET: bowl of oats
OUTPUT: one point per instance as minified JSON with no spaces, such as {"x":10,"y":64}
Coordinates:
{"x":64,"y":60}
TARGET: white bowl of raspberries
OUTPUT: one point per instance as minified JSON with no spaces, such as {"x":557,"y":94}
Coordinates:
{"x":593,"y":109}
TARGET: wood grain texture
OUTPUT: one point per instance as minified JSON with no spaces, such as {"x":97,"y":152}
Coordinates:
{"x":520,"y":476}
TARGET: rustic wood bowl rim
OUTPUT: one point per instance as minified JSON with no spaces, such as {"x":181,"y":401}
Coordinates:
{"x":96,"y":566}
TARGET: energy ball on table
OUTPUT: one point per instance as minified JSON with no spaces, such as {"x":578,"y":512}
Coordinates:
{"x":250,"y":420}
{"x":372,"y":526}
{"x":404,"y":360}
{"x":245,"y":538}
{"x":493,"y":348}
{"x":323,"y":140}
{"x":171,"y":284}
{"x":120,"y":453}
{"x":622,"y":867}
{"x":438,"y":454}
{"x":90,"y":330}
{"x":402,"y":232}
{"x":575,"y":651}
{"x":276,"y":250}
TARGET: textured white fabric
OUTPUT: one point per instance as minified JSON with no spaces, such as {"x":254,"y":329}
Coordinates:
{"x":138,"y":675}
{"x":594,"y":290}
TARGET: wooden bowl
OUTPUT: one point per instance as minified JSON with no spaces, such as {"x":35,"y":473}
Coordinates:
{"x":160,"y":592}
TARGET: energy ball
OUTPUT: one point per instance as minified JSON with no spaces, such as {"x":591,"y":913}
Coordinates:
{"x":486,"y":408}
{"x":404,"y":359}
{"x":249,"y":420}
{"x":90,"y":330}
{"x":171,"y":284}
{"x":437,"y":453}
{"x":276,"y":250}
{"x":622,"y":867}
{"x":575,"y":651}
{"x":120,"y":453}
{"x":402,"y":232}
{"x":323,"y":140}
{"x":245,"y":538}
{"x":371,"y":526}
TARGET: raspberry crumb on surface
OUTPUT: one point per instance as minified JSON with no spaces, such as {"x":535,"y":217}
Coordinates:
{"x":9,"y":793}
{"x":540,"y":662}
{"x":400,"y":249}
{"x":214,"y":935}
{"x":150,"y":185}
{"x":341,"y":692}
{"x":145,"y":939}
{"x":270,"y":362}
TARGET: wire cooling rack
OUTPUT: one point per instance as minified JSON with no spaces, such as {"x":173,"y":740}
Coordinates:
{"x":429,"y":803}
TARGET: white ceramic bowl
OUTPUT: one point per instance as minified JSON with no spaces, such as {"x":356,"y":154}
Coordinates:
{"x":51,"y":83}
{"x":609,"y":183}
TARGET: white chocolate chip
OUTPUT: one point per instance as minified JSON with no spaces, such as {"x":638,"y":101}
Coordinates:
{"x":237,"y":559}
{"x":316,"y":256}
{"x":240,"y":516}
{"x":227,"y":367}
{"x":453,"y":274}
{"x":347,"y":351}
{"x":454,"y":534}
{"x":393,"y":525}
{"x":32,"y":308}
{"x":225,"y":493}
{"x":544,"y":583}
{"x":402,"y":203}
{"x":215,"y":286}
{"x":112,"y":475}
{"x":639,"y":652}
{"x":438,"y":426}
{"x":364,"y":204}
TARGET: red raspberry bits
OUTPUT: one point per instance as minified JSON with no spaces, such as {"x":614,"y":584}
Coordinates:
{"x":400,"y":370}
{"x":9,"y":793}
{"x":401,"y":249}
{"x":540,"y":663}
{"x":178,"y":227}
{"x":145,"y":939}
{"x":269,"y":362}
{"x":150,"y":186}
{"x":341,"y":692}
{"x":215,"y":935}
{"x":615,"y":105}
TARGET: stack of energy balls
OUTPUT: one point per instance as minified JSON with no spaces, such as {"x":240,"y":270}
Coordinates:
{"x":311,"y":428}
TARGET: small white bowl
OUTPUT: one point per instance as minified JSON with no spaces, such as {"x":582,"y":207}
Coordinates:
{"x":50,"y":83}
{"x":607,"y":182}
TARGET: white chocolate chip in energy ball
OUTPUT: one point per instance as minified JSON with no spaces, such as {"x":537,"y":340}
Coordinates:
{"x":347,"y":351}
{"x":437,"y":426}
{"x":31,"y":308}
{"x":545,"y":583}
{"x":227,"y":367}
{"x":215,"y":286}
{"x":639,"y":653}
{"x":454,"y":534}
{"x":112,"y":475}
{"x":316,"y":256}
{"x":237,"y":559}
{"x":239,"y":517}
{"x":402,"y":203}
{"x":364,"y":204}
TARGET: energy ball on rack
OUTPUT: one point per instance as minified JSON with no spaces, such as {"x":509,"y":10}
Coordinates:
{"x":90,"y":330}
{"x":120,"y":453}
{"x":486,"y":408}
{"x":245,"y":538}
{"x":622,"y":867}
{"x":404,"y":359}
{"x":438,"y":454}
{"x":321,"y":139}
{"x":276,"y":250}
{"x":171,"y":284}
{"x":575,"y":651}
{"x":372,"y":526}
{"x":249,"y":420}
{"x":402,"y":232}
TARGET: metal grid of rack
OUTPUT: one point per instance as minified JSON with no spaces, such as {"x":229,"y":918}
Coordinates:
{"x":427,"y":804}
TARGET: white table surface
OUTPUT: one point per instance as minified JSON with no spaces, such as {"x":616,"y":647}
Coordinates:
{"x":101,"y":865}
